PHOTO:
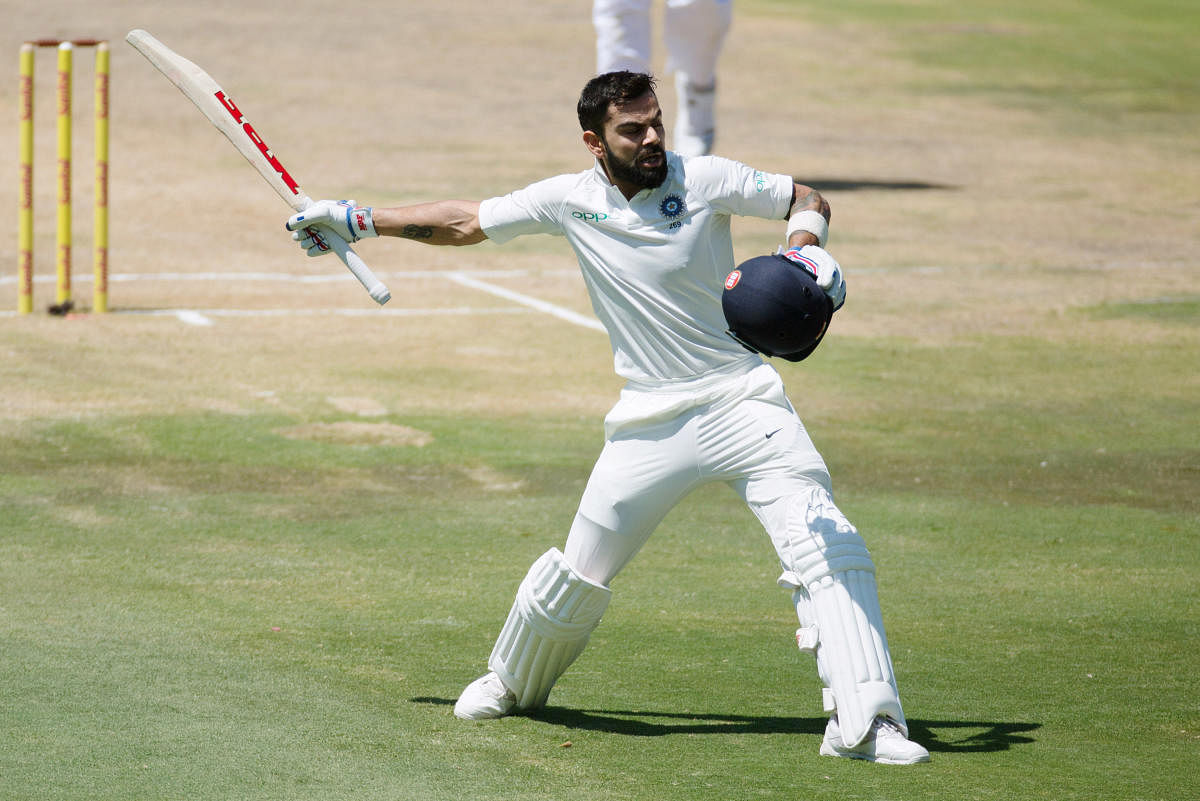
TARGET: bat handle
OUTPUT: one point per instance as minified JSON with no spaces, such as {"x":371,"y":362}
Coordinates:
{"x":375,"y":288}
{"x":354,"y":263}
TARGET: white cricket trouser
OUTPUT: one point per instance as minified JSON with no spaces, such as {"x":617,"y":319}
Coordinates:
{"x":693,"y":31}
{"x":743,"y":432}
{"x":739,"y":428}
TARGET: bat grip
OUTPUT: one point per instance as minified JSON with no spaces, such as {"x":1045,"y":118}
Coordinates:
{"x":354,"y":263}
{"x":375,"y":288}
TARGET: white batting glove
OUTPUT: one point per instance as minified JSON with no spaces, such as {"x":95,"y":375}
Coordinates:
{"x":823,"y":268}
{"x":314,"y":239}
{"x":348,"y":220}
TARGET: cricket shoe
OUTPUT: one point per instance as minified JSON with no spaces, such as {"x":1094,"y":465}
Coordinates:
{"x":485,"y":698}
{"x":885,"y":744}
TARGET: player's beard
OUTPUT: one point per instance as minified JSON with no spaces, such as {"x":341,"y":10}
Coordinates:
{"x":632,"y":171}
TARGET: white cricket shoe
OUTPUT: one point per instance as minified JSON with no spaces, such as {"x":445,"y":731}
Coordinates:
{"x":885,"y":744}
{"x":485,"y":698}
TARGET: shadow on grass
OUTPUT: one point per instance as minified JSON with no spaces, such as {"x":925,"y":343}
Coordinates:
{"x":853,"y":184}
{"x":939,"y":736}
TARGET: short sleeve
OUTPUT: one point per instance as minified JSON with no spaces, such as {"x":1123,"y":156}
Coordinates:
{"x":734,"y":188}
{"x":536,"y":209}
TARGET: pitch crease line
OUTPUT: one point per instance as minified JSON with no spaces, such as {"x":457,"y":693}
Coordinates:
{"x":525,"y":300}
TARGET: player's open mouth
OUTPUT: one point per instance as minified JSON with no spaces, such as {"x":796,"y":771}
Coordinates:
{"x":652,"y":159}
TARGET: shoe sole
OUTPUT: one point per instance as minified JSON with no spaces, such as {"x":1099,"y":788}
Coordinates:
{"x":827,"y":750}
{"x":483,"y":714}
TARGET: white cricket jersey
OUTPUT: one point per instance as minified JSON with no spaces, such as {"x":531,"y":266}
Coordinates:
{"x":654,"y":266}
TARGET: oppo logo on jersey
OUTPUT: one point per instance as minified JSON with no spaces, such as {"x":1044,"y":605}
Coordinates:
{"x":590,"y":216}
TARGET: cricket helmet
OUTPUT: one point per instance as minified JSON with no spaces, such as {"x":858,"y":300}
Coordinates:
{"x":774,"y":307}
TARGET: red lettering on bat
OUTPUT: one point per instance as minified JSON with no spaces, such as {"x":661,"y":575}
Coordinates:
{"x":248,"y":129}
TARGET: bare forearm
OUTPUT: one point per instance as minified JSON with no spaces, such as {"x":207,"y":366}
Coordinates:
{"x":805,"y":198}
{"x":443,"y":222}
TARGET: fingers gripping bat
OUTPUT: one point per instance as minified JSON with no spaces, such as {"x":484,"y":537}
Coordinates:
{"x":210,"y":98}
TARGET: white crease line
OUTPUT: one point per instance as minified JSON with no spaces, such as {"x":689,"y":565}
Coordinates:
{"x":123,"y":278}
{"x":336,"y":277}
{"x":363,"y":312}
{"x":526,"y":300}
{"x":197,"y":316}
{"x":193,"y":318}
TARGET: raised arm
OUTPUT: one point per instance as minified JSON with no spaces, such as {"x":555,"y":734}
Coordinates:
{"x":443,"y":222}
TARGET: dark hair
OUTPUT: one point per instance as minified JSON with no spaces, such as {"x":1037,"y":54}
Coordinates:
{"x":611,"y":88}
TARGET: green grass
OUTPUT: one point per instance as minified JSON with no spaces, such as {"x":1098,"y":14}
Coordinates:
{"x":1182,"y":311}
{"x":1135,"y":63}
{"x":194,"y":606}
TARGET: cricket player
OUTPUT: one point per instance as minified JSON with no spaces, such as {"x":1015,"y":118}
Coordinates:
{"x":651,"y":231}
{"x":694,"y":32}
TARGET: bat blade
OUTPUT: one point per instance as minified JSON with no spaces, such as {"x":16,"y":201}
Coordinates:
{"x":212,"y":101}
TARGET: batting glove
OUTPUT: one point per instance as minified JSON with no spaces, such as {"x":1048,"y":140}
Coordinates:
{"x":314,"y":239}
{"x":348,"y":220}
{"x":823,"y":268}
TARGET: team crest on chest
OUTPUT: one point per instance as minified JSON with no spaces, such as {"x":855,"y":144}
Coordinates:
{"x":672,"y":206}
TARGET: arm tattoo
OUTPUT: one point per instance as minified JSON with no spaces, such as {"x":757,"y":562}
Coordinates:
{"x":806,"y":200}
{"x":417,"y":232}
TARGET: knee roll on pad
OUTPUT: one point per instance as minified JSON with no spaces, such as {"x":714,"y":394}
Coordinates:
{"x":832,"y":577}
{"x":554,"y":614}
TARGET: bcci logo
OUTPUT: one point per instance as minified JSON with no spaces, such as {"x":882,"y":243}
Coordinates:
{"x":672,"y":206}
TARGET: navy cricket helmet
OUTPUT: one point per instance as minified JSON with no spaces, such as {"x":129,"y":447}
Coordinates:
{"x":774,"y":307}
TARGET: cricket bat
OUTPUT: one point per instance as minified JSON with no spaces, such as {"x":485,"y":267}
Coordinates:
{"x":210,"y":98}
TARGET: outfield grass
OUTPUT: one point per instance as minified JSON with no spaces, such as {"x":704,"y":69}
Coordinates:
{"x":206,"y":595}
{"x":195,"y":606}
{"x":1102,"y":57}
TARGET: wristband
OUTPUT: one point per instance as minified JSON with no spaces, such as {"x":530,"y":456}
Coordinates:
{"x":360,"y":222}
{"x":811,"y":221}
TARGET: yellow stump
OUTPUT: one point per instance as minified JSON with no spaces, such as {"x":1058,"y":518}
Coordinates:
{"x":63,"y":294}
{"x":100,"y":218}
{"x":25,"y":183}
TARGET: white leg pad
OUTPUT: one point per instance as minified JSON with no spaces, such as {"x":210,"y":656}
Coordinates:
{"x":554,"y":614}
{"x":833,"y":581}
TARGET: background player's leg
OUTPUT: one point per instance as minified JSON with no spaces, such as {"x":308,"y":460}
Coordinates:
{"x":622,"y":35}
{"x":695,"y":31}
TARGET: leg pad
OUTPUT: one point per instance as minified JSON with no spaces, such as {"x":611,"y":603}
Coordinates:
{"x":833,"y":580}
{"x":554,"y":614}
